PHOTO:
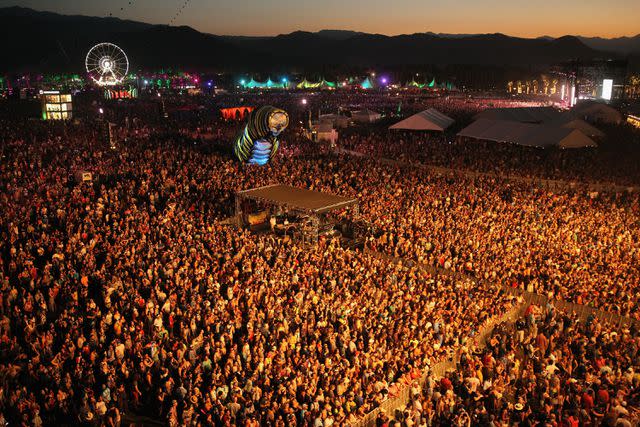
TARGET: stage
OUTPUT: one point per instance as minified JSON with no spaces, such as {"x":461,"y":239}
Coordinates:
{"x":262,"y":206}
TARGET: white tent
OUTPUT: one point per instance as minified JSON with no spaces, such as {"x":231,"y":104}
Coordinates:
{"x":430,"y":119}
{"x":596,"y":112}
{"x":526,"y":134}
{"x":581,"y":125}
{"x":365,"y":116}
{"x":541,"y":115}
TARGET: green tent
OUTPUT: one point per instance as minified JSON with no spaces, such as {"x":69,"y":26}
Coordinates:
{"x":322,"y":84}
{"x":415,"y":84}
{"x":366,"y":84}
{"x":269,"y":84}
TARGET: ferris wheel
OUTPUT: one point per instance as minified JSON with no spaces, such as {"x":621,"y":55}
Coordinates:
{"x":107,"y":64}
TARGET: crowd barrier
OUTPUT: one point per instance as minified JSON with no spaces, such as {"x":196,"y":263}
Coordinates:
{"x":526,"y":298}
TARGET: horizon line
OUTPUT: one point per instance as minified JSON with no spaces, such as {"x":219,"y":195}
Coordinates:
{"x":438,"y":33}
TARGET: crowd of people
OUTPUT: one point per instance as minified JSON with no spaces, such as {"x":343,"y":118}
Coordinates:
{"x":127,"y":294}
{"x":572,"y":246}
{"x":547,"y":369}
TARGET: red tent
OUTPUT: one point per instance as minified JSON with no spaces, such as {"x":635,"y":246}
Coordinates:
{"x":235,"y":113}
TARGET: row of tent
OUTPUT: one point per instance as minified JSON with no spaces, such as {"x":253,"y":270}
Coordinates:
{"x":431,"y":85}
{"x":269,"y":84}
{"x":528,"y":126}
{"x":430,"y":119}
{"x":526,"y":134}
{"x":323,"y":84}
{"x":236,"y":113}
{"x":543,"y":126}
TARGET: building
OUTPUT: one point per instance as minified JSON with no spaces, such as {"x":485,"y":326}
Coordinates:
{"x":56,"y":105}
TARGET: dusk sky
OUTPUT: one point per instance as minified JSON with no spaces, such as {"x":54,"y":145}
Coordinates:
{"x":522,"y":18}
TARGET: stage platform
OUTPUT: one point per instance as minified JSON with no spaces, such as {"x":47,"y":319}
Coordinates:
{"x":274,"y":198}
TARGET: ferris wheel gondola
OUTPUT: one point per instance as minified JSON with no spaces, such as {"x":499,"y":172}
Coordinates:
{"x":107,"y":64}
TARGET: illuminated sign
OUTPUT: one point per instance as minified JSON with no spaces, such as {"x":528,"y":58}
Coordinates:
{"x":607,"y":87}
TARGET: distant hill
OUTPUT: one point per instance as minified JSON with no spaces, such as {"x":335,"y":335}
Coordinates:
{"x":47,"y":41}
{"x":338,"y":34}
{"x":620,"y":45}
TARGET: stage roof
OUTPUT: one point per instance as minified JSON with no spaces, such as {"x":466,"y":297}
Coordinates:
{"x":526,"y":134}
{"x":430,"y":119}
{"x":298,"y":198}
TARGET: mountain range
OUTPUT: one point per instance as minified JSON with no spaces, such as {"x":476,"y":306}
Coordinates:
{"x":620,"y":45}
{"x":47,"y":41}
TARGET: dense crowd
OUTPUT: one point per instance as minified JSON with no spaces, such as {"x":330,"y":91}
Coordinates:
{"x":127,"y":295}
{"x":545,"y":370}
{"x":611,"y":163}
{"x":568,"y":245}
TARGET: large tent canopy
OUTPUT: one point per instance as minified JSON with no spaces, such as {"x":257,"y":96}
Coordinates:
{"x":366,"y":84}
{"x":549,"y":116}
{"x":568,"y":122}
{"x":430,"y":119}
{"x":269,"y":84}
{"x":322,"y":84}
{"x":526,"y":134}
{"x":520,"y":114}
{"x":596,"y":112}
